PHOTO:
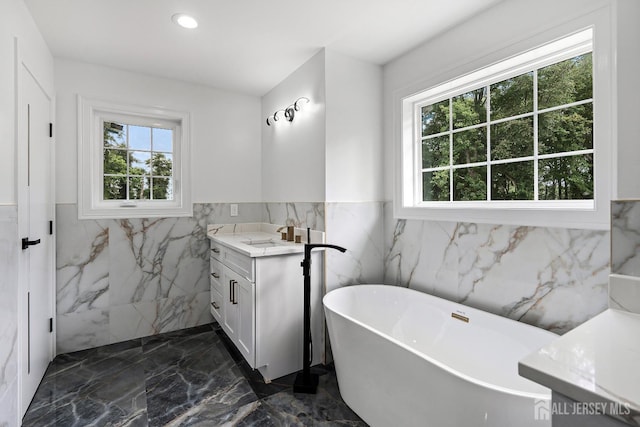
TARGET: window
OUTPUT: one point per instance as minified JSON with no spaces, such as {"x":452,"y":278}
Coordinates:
{"x":132,"y":162}
{"x":137,"y":162}
{"x":517,"y":135}
{"x":528,"y":137}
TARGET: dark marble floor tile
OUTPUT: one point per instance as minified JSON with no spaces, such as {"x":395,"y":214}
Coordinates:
{"x":104,"y":389}
{"x":193,"y":377}
{"x":186,"y":349}
{"x":152,"y":340}
{"x":324,"y":408}
{"x":260,"y":388}
{"x":251,"y":414}
{"x":202,"y":352}
{"x":176,"y":394}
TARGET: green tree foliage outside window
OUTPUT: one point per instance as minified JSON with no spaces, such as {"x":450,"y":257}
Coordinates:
{"x":140,"y":173}
{"x":480,"y":145}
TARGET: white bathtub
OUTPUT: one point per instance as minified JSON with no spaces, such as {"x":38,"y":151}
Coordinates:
{"x":402,"y":360}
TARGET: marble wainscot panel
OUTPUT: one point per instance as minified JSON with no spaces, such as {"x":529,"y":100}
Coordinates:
{"x":358,"y":227}
{"x":82,"y":249}
{"x":625,"y":237}
{"x":158,"y":266}
{"x":549,"y":277}
{"x":209,"y":213}
{"x":421,"y":255}
{"x":298,"y":214}
{"x":124,"y":279}
{"x":624,"y":293}
{"x":8,"y":315}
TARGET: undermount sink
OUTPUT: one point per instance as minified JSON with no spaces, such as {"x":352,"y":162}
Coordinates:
{"x":262,"y":243}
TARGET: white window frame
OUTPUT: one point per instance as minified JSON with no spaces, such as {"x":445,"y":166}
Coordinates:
{"x":589,"y":214}
{"x":92,"y":113}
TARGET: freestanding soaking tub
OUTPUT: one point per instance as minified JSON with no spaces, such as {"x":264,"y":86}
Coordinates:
{"x":406,"y":358}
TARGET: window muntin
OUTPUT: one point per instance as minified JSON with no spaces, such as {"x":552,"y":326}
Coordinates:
{"x":526,"y":137}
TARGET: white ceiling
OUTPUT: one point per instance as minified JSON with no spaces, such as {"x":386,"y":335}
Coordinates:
{"x":246,"y":46}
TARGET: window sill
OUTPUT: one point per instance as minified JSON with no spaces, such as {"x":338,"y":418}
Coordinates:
{"x":134,"y":212}
{"x":592,"y":219}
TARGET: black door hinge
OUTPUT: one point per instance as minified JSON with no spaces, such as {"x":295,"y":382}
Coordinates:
{"x":51,"y":324}
{"x":51,"y":227}
{"x":50,"y":130}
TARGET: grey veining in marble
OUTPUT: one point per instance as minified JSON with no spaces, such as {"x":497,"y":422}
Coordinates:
{"x":209,"y":213}
{"x":298,"y":214}
{"x":156,"y":258}
{"x":8,"y":315}
{"x":123,"y":279}
{"x":549,"y":277}
{"x":82,"y":257}
{"x":358,"y":227}
{"x":286,"y":409}
{"x":625,"y":237}
{"x":181,"y":378}
{"x":82,"y":330}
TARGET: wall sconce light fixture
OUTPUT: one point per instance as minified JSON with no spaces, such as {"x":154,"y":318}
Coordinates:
{"x":289,"y":112}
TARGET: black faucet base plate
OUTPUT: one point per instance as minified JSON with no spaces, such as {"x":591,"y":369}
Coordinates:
{"x":307,"y":385}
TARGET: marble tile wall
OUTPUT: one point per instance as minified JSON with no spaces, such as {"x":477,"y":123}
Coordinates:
{"x":625,"y":237}
{"x":8,"y":316}
{"x":358,"y":227}
{"x":624,"y":282}
{"x":298,"y":214}
{"x":124,"y":279}
{"x":550,"y":277}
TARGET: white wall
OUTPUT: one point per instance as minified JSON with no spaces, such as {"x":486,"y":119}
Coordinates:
{"x":628,"y":108}
{"x":293,"y":153}
{"x":353,"y":130}
{"x":506,"y":29}
{"x":16,"y":22}
{"x":225,"y":144}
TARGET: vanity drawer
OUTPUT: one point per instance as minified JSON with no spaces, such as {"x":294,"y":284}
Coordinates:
{"x":215,"y":275}
{"x":240,"y":263}
{"x":216,"y":305}
{"x":217,"y":251}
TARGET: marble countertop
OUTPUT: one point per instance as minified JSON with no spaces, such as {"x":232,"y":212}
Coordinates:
{"x":258,"y":239}
{"x":599,"y":361}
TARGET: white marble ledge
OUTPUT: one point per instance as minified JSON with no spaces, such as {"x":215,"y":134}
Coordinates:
{"x":599,"y":361}
{"x":259,"y":239}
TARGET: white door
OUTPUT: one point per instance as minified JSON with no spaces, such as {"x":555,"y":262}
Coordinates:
{"x":35,"y":211}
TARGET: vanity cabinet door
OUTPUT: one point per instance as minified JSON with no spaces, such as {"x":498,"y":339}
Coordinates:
{"x":239,"y":313}
{"x":245,"y":296}
{"x":230,"y":311}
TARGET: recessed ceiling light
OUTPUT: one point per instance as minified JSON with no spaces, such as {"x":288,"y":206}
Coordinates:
{"x":185,"y":21}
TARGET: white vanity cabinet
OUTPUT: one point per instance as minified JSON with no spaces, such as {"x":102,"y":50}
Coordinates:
{"x":233,"y":297}
{"x":258,"y":301}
